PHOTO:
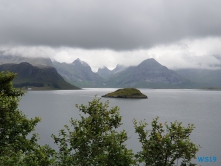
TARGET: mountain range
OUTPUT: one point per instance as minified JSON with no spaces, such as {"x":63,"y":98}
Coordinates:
{"x":148,"y":74}
{"x":79,"y":73}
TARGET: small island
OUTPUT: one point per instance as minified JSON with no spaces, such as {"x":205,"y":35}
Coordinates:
{"x":131,"y":93}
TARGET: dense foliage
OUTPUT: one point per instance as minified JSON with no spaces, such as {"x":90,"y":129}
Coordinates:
{"x":126,"y":93}
{"x":165,"y":146}
{"x":92,"y":140}
{"x":16,"y":148}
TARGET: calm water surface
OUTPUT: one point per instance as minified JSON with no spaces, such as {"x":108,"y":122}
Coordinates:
{"x":202,"y":108}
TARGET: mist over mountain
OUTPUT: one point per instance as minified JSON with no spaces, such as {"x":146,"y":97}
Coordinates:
{"x":35,"y":61}
{"x":118,"y":68}
{"x":203,"y":77}
{"x":105,"y":72}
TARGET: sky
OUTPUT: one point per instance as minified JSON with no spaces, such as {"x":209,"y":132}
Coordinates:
{"x":177,"y":33}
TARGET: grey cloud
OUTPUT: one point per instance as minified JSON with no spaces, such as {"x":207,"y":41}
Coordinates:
{"x":218,"y":64}
{"x":218,"y":57}
{"x":98,"y":24}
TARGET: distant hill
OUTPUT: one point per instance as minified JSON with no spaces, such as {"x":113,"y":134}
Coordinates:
{"x":79,"y":73}
{"x":105,"y":72}
{"x":204,"y":77}
{"x":148,"y":74}
{"x":37,"y":78}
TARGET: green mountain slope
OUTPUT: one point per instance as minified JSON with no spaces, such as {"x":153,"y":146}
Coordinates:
{"x":37,"y":78}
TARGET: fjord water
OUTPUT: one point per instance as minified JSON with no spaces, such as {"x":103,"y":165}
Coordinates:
{"x":200,"y":107}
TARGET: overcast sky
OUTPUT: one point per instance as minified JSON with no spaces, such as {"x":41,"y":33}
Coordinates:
{"x":177,"y":33}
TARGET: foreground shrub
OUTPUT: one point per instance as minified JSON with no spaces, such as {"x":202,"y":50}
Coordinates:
{"x":163,"y":146}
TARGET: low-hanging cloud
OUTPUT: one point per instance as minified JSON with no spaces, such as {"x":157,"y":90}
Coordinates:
{"x":183,"y":54}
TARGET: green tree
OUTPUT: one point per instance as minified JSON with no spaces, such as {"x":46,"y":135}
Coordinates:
{"x":94,"y":139}
{"x":15,"y":127}
{"x":162,"y":147}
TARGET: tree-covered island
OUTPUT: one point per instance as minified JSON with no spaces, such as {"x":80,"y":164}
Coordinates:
{"x":131,"y":93}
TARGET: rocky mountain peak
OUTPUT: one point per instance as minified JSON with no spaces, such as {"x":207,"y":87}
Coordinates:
{"x":118,"y":68}
{"x":150,"y":63}
{"x":79,"y":62}
{"x":104,"y":68}
{"x":104,"y":72}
